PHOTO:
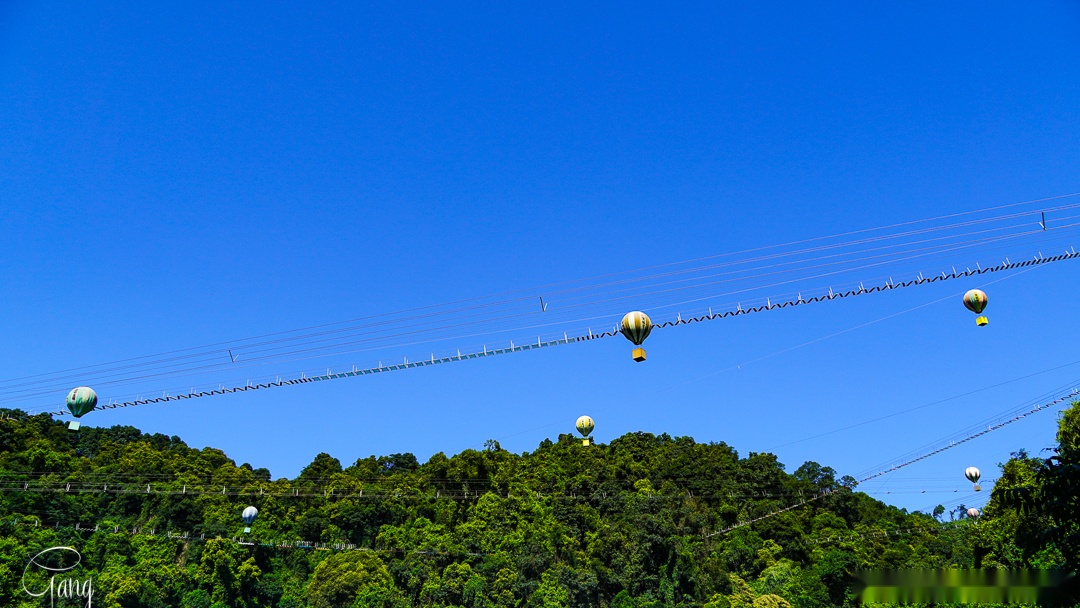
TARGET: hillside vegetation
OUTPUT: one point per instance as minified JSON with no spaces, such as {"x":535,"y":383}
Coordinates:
{"x":635,"y":523}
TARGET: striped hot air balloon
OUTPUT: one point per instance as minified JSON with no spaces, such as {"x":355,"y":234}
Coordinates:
{"x":80,"y":401}
{"x":975,"y":301}
{"x":973,"y":513}
{"x":585,"y":426}
{"x":636,"y":326}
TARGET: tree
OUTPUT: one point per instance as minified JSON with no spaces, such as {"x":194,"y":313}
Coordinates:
{"x":228,"y":573}
{"x":342,"y":578}
{"x":1049,"y":501}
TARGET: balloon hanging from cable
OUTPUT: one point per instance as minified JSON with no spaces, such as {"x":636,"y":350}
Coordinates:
{"x":249,"y":516}
{"x":585,"y":426}
{"x":636,"y":326}
{"x":80,"y":401}
{"x":975,"y":301}
{"x":973,"y":476}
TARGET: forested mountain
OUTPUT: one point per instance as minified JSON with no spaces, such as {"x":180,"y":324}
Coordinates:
{"x":645,"y":521}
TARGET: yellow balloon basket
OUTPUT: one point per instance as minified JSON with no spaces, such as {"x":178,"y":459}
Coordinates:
{"x":586,"y":441}
{"x":639,"y":354}
{"x":981,"y":321}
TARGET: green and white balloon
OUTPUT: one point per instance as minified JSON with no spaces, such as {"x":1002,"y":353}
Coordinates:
{"x":81,"y":401}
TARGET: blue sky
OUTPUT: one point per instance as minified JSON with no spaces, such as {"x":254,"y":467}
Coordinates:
{"x":179,"y":176}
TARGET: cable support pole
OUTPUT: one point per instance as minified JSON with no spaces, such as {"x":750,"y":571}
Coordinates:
{"x":739,"y":310}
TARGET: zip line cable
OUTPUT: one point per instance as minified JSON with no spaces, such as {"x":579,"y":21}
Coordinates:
{"x":94,"y":376}
{"x":567,"y":339}
{"x":189,"y":537}
{"x":321,"y":354}
{"x":288,"y":337}
{"x":548,"y":286}
{"x":925,"y":405}
{"x":1073,"y":394}
{"x":965,"y":436}
{"x":445,"y":491}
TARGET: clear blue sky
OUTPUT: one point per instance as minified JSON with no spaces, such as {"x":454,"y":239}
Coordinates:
{"x":184,"y":175}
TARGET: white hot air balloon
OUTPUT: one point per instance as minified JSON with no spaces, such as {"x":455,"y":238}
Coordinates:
{"x":249,"y":516}
{"x":973,"y":513}
{"x":973,"y":476}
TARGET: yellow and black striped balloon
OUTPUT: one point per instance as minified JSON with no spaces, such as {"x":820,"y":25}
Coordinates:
{"x":585,"y":426}
{"x":636,"y":327}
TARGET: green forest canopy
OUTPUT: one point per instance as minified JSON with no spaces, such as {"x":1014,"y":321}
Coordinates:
{"x":629,"y":524}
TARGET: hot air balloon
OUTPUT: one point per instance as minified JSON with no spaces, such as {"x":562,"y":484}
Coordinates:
{"x":80,"y":401}
{"x":249,"y":516}
{"x":973,"y":513}
{"x":975,"y":301}
{"x":585,"y":426}
{"x":636,"y":327}
{"x":973,"y":476}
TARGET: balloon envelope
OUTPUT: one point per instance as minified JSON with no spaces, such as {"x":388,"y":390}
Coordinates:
{"x":81,"y":400}
{"x":249,"y":515}
{"x":972,"y":474}
{"x":975,"y":300}
{"x":973,"y":512}
{"x":585,"y":426}
{"x":636,"y":326}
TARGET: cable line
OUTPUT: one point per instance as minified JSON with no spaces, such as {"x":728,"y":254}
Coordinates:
{"x":867,"y":477}
{"x":585,"y":293}
{"x":567,"y":339}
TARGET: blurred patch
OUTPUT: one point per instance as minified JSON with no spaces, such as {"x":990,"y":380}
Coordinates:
{"x":1042,"y":587}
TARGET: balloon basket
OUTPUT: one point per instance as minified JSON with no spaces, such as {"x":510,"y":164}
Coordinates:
{"x":978,"y":488}
{"x":587,"y":441}
{"x":639,"y":354}
{"x":981,"y":321}
{"x":73,"y":425}
{"x":247,"y":530}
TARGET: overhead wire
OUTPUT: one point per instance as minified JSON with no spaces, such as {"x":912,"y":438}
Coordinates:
{"x":926,"y":405}
{"x":165,"y":374}
{"x":548,"y":286}
{"x":150,"y":531}
{"x":1062,"y":394}
{"x":566,"y":339}
{"x":219,"y":353}
{"x":953,"y":443}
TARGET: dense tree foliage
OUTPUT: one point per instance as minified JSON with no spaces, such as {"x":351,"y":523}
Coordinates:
{"x":637,"y":523}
